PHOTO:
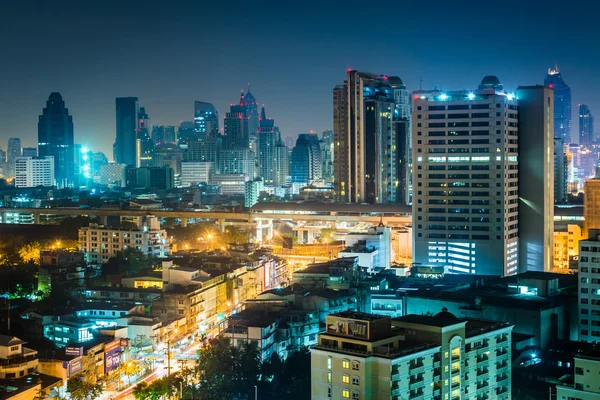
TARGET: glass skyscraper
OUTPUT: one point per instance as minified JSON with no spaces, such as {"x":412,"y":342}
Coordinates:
{"x":562,"y":104}
{"x":127,"y":112}
{"x":586,"y":126}
{"x":55,"y":138}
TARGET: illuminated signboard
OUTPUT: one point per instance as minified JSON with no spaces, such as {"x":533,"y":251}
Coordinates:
{"x":73,"y":366}
{"x":112,"y":355}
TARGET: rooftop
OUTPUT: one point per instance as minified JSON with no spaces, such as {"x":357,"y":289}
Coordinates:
{"x":7,"y":341}
{"x":441,"y":320}
{"x":360,"y":315}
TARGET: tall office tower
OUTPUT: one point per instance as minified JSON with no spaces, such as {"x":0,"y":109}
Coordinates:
{"x":29,"y":152}
{"x":363,"y":113}
{"x":3,"y":165}
{"x":34,"y":172}
{"x":281,"y":164}
{"x":562,"y":104}
{"x":161,"y":178}
{"x":465,"y":176}
{"x":586,"y":126}
{"x":127,"y":112}
{"x":2,"y":156}
{"x":236,"y":128}
{"x":13,"y":151}
{"x":186,"y":131}
{"x":163,"y":134}
{"x":252,"y":113}
{"x":144,"y":144}
{"x":535,"y":177}
{"x":306,"y":159}
{"x":237,"y":161}
{"x":326,"y":145}
{"x":206,"y":121}
{"x":268,"y":138}
{"x":55,"y":139}
{"x":168,"y":154}
{"x":202,"y":150}
{"x":560,"y":171}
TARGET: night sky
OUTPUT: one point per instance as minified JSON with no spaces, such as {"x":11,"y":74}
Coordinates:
{"x":169,"y":56}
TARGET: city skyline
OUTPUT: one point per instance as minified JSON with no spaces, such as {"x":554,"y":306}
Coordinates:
{"x":90,"y":84}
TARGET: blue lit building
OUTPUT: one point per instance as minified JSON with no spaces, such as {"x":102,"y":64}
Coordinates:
{"x":586,"y":126}
{"x":562,"y":104}
{"x":306,"y":162}
{"x":206,"y":120}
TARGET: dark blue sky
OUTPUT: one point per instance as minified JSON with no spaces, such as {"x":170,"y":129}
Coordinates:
{"x":171,"y":53}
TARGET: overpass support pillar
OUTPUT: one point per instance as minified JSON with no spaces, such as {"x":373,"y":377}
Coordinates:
{"x":36,"y":218}
{"x":221,"y":223}
{"x":184,"y":222}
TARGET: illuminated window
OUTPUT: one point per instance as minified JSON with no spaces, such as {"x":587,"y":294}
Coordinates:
{"x":456,"y":352}
{"x":446,"y":354}
{"x":345,"y":364}
{"x":346,"y":394}
{"x":328,"y":376}
{"x":456,"y":380}
{"x":328,"y":362}
{"x":345,"y":378}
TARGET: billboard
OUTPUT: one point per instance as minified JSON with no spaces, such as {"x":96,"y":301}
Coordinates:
{"x":74,"y":351}
{"x":112,"y":355}
{"x":73,"y":366}
{"x":348,"y":327}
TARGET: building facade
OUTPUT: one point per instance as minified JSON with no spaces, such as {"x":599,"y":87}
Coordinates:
{"x":363,"y":114}
{"x":99,"y":243}
{"x":16,"y":360}
{"x":127,"y":111}
{"x":465,"y":178}
{"x":195,"y":172}
{"x":566,"y":246}
{"x":585,"y":385}
{"x":360,"y":356}
{"x":12,"y":152}
{"x":589,"y":287}
{"x":306,"y":163}
{"x":562,"y":104}
{"x":586,"y":126}
{"x":55,"y":139}
{"x":206,"y":120}
{"x":33,"y":172}
{"x":560,"y":171}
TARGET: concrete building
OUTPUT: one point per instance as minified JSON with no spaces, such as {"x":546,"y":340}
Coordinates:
{"x":206,"y":120}
{"x":560,"y":171}
{"x":535,"y":177}
{"x":465,"y":197}
{"x":253,"y":189}
{"x":127,"y":111}
{"x":230,"y":184}
{"x":237,"y":161}
{"x":34,"y":172}
{"x":366,"y":356}
{"x":363,"y":115}
{"x":591,"y":206}
{"x":195,"y":172}
{"x":589,"y":287}
{"x":16,"y":360}
{"x":585,"y":385}
{"x":160,"y":178}
{"x":566,"y":246}
{"x":113,"y":174}
{"x":99,"y":242}
{"x":12,"y":152}
{"x":376,"y":241}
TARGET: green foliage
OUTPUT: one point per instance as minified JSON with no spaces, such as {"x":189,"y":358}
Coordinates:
{"x":18,"y":280}
{"x":30,"y":253}
{"x":234,"y":235}
{"x":289,"y":379}
{"x":69,"y":227}
{"x":9,"y":254}
{"x":159,"y":388}
{"x":128,"y":262}
{"x":82,"y":390}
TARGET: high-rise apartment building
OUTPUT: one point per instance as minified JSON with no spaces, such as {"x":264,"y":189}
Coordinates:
{"x":186,"y":131}
{"x":203,"y":150}
{"x":306,"y":164}
{"x":252,"y":113}
{"x":236,"y":127}
{"x":562,"y":104}
{"x":586,"y":126}
{"x":363,"y":115}
{"x":403,"y":130}
{"x":366,"y":356}
{"x":589,"y":287}
{"x":252,"y":191}
{"x":535,"y":177}
{"x":326,"y":144}
{"x":12,"y":152}
{"x":55,"y":139}
{"x":34,"y":172}
{"x":585,"y":386}
{"x":237,"y":161}
{"x":591,"y":206}
{"x":465,"y":175}
{"x":560,"y":171}
{"x":162,"y":134}
{"x":195,"y":172}
{"x":127,"y":112}
{"x":206,"y":120}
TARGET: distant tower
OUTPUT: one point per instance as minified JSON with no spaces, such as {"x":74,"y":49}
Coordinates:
{"x":269,"y":138}
{"x":127,"y":112}
{"x":252,"y":113}
{"x":586,"y":126}
{"x":562,"y":104}
{"x":306,"y":159}
{"x":55,"y":138}
{"x":12,"y":152}
{"x":144,"y":142}
{"x":206,"y":121}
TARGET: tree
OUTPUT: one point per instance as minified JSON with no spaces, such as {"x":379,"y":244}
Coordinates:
{"x":30,"y":253}
{"x":131,"y":368}
{"x":82,"y":390}
{"x":234,"y":235}
{"x":159,"y":388}
{"x":129,"y":262}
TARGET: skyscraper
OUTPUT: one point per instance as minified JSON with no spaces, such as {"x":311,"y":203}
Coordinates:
{"x":144,"y":144}
{"x":163,"y":134}
{"x":252,"y":113}
{"x":12,"y":152}
{"x":562,"y":104}
{"x":586,"y":126}
{"x":236,"y":127}
{"x":34,"y":172}
{"x":127,"y":112}
{"x":306,"y":162}
{"x":326,"y":145}
{"x":560,"y":171}
{"x":206,"y":120}
{"x":55,"y":138}
{"x":363,"y":113}
{"x":535,"y":177}
{"x":402,"y":129}
{"x":268,"y":138}
{"x":465,"y":198}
